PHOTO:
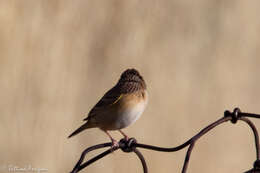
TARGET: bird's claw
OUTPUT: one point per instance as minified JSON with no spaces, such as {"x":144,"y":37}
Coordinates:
{"x":114,"y":145}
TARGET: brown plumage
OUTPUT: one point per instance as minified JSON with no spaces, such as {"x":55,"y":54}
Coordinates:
{"x":120,"y":106}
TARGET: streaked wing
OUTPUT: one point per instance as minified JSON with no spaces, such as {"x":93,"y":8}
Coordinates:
{"x":111,"y":97}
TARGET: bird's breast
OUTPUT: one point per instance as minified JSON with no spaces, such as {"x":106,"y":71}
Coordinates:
{"x":131,"y":109}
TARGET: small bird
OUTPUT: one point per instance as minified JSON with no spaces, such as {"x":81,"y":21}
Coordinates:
{"x":120,"y":107}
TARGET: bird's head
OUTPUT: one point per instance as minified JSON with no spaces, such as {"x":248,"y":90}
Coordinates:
{"x":131,"y":77}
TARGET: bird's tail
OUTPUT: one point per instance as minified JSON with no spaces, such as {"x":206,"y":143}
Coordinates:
{"x":80,"y":129}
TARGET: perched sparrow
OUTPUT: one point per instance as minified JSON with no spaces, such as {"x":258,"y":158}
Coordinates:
{"x":120,"y":107}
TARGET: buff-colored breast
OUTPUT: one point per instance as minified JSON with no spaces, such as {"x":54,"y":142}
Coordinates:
{"x":125,"y":112}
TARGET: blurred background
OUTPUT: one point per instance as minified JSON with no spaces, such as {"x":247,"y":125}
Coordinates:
{"x":58,"y":58}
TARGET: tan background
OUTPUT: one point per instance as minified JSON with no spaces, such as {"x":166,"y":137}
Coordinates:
{"x":57,"y":58}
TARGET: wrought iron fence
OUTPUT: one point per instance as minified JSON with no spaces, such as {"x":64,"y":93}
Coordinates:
{"x":131,"y":145}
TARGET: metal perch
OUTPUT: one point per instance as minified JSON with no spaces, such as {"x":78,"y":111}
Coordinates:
{"x":131,"y":145}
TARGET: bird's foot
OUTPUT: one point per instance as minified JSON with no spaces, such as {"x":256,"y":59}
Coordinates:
{"x":115,"y":144}
{"x":126,"y":138}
